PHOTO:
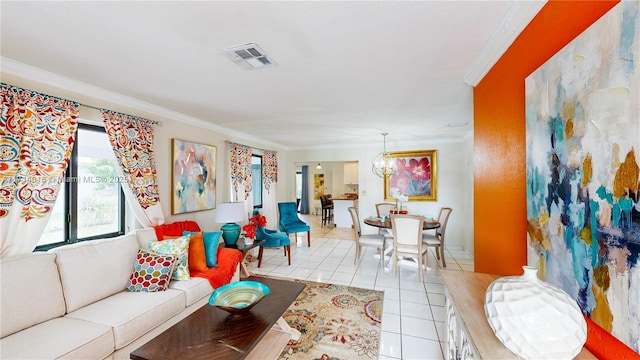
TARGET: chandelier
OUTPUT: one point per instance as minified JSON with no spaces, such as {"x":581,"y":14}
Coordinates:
{"x":383,"y":164}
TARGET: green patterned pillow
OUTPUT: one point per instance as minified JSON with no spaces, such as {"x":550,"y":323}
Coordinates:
{"x":178,"y":247}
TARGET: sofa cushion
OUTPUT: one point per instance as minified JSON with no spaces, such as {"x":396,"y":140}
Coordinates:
{"x":132,"y":314}
{"x":60,"y":338}
{"x":151,"y":272}
{"x":93,"y":270}
{"x":197,"y":258}
{"x":211,"y":241}
{"x":30,"y":291}
{"x":145,"y":236}
{"x":194,"y":289}
{"x":178,"y":247}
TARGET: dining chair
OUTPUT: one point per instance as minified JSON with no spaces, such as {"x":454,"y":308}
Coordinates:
{"x":272,"y":239}
{"x":437,"y":240}
{"x":290,"y":223}
{"x":370,"y":240}
{"x":382,"y":209}
{"x":407,"y":240}
{"x":327,"y":209}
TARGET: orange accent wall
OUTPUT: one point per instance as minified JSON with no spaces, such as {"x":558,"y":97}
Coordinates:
{"x":500,"y":215}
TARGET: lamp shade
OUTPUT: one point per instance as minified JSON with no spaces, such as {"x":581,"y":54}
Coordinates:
{"x":230,"y":212}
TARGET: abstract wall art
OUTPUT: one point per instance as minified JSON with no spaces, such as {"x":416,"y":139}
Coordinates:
{"x":318,"y":186}
{"x":583,"y":173}
{"x":193,"y":183}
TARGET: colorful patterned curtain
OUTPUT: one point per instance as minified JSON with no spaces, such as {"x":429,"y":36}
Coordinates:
{"x":240,"y":163}
{"x":240,"y":170}
{"x":132,"y":141}
{"x":269,"y":182}
{"x":37,"y":133}
{"x":269,"y":168}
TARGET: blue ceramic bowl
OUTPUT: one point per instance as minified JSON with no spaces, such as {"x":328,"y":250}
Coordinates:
{"x":238,"y":296}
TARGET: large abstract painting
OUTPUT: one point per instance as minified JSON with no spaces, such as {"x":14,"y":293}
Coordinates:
{"x":583,"y":203}
{"x":194,"y":177}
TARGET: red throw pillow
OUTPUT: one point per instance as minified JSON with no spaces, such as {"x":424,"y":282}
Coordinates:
{"x":197,"y":257}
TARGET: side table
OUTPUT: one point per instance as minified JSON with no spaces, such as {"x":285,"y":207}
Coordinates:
{"x":244,"y":247}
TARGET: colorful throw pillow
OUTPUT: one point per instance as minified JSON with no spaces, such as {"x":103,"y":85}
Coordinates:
{"x":211,"y":241}
{"x":178,"y":247}
{"x":197,"y":259}
{"x":151,"y":272}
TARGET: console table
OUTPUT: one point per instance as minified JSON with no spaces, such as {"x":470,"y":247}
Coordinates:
{"x":468,"y":334}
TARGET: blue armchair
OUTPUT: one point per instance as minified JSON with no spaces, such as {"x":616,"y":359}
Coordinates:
{"x":290,"y":223}
{"x":272,"y":238}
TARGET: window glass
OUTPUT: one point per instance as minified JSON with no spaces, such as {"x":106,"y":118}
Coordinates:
{"x":54,"y":231}
{"x":90,"y":203}
{"x":98,"y":188}
{"x":256,"y":180}
{"x":298,"y":185}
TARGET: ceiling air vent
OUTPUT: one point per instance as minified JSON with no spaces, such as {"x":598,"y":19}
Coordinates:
{"x":248,"y":56}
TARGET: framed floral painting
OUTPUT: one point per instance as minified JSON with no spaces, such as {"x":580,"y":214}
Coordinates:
{"x":415,"y":178}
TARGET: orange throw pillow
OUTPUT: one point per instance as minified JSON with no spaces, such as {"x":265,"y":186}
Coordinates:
{"x":197,"y":258}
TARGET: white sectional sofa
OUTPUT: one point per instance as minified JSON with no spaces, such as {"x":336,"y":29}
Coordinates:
{"x":70,"y":303}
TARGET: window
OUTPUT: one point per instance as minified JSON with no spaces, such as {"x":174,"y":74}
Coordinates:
{"x":90,"y":203}
{"x":298,"y":185}
{"x":256,"y":180}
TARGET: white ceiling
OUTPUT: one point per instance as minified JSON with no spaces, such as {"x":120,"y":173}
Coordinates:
{"x":346,"y":71}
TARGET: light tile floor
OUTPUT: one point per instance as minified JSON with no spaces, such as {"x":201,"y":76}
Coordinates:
{"x":413,"y":312}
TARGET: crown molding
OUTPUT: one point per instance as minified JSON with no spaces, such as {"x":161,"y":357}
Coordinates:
{"x":103,"y":96}
{"x":518,"y":17}
{"x":467,"y":136}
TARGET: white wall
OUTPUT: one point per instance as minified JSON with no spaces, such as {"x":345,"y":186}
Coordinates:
{"x":455,"y":176}
{"x":334,"y":180}
{"x":454,"y":184}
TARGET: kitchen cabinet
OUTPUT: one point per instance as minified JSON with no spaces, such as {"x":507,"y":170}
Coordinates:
{"x":341,"y":216}
{"x":351,"y":173}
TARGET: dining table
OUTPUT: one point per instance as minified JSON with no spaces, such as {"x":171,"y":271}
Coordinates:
{"x":386,"y":223}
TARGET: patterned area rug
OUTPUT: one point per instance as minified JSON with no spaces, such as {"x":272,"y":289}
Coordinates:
{"x":336,"y":322}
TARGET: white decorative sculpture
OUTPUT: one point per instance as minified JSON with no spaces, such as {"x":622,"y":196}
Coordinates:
{"x":534,"y":319}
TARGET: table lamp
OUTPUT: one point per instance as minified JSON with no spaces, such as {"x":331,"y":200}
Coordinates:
{"x":230,"y":213}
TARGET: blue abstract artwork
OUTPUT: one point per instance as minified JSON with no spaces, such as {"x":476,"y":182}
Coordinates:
{"x":583,"y":173}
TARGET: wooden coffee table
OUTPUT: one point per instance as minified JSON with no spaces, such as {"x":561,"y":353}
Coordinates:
{"x":212,"y":333}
